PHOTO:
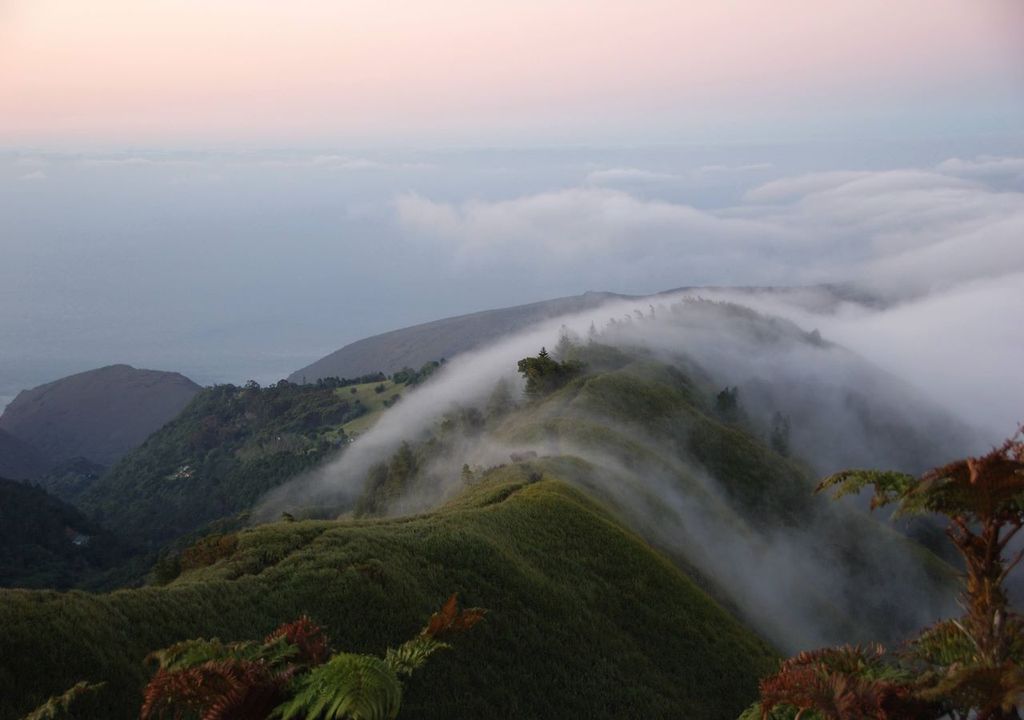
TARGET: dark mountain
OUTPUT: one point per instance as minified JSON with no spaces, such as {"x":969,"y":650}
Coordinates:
{"x":46,"y":543}
{"x":419,"y":344}
{"x":18,"y":459}
{"x":99,"y":415}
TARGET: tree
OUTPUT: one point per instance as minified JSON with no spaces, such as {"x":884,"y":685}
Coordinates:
{"x":567,"y":340}
{"x":779,"y":437}
{"x":969,"y":666}
{"x":727,"y":404}
{"x":500,"y":403}
{"x":544,"y":374}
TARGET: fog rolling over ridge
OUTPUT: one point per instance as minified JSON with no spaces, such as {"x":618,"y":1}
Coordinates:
{"x":780,"y":569}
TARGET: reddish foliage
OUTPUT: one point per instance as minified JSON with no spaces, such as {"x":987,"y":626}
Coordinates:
{"x":208,"y":550}
{"x":835,"y":683}
{"x":448,"y":619}
{"x":308,"y":637}
{"x":217,"y":690}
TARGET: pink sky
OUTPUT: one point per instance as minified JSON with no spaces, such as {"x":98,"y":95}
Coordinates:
{"x":173,"y":71}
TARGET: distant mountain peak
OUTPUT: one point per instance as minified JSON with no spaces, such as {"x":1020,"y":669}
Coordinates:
{"x":98,"y":414}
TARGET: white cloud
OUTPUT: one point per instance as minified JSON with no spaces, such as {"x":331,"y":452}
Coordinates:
{"x":718,"y":170}
{"x":35,"y":176}
{"x":603,"y":234}
{"x":793,"y":188}
{"x":984,"y":166}
{"x":137,"y":161}
{"x":627,"y":176}
{"x":633,"y":176}
{"x":902,"y":233}
{"x":341,"y":162}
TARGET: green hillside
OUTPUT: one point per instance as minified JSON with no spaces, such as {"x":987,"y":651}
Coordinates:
{"x":641,"y":541}
{"x":226,"y":449}
{"x":702,"y":483}
{"x":585,"y":620}
{"x":229,"y":446}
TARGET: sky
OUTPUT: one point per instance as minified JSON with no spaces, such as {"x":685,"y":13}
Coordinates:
{"x":188,"y":73}
{"x":234,"y":189}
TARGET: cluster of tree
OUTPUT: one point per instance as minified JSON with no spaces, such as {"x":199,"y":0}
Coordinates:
{"x":727,"y":405}
{"x":292,"y":673}
{"x":335,"y":382}
{"x":544,"y":374}
{"x":408,"y":376}
{"x":411,"y":464}
{"x":967,"y":667}
{"x":45,"y":542}
{"x":729,"y":410}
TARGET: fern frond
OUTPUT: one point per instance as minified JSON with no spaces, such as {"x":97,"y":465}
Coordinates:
{"x":190,"y":653}
{"x":412,"y":654}
{"x":889,"y":487}
{"x":843,"y":683}
{"x":347,"y":687}
{"x":216,"y":690}
{"x":448,"y":619}
{"x":58,"y":707}
{"x":307,"y":636}
{"x":983,"y":689}
{"x":942,"y":645}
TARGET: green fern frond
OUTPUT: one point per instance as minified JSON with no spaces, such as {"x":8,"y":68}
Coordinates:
{"x":781,"y":712}
{"x":274,"y":653}
{"x":412,"y":654}
{"x":189,"y":653}
{"x":347,"y":687}
{"x":890,"y":487}
{"x":58,"y":707}
{"x":277,"y":653}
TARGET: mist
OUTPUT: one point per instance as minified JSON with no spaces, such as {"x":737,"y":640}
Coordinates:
{"x":789,"y":583}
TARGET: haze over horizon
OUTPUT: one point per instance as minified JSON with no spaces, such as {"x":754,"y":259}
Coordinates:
{"x":245,"y":187}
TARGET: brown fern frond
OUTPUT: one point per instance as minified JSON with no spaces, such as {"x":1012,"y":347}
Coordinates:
{"x":448,"y":619}
{"x":216,"y":690}
{"x":844,"y":683}
{"x":985,"y":690}
{"x":307,"y":636}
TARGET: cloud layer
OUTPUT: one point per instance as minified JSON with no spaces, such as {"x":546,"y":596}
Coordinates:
{"x":937,"y":252}
{"x":901,"y":233}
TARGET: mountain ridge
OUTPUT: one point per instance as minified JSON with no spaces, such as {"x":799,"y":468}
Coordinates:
{"x":415,"y":345}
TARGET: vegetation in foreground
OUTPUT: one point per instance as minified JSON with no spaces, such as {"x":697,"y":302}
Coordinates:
{"x":585,"y":619}
{"x":293,"y":674}
{"x":972,"y":666}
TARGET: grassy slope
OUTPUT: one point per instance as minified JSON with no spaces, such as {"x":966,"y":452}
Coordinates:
{"x":372,"y":400}
{"x":585,"y":620}
{"x":635,"y":418}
